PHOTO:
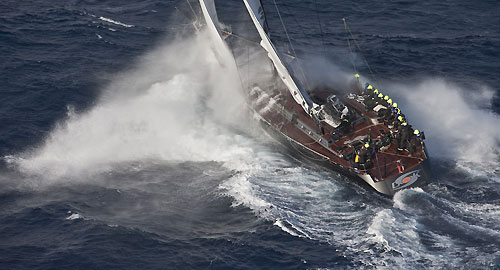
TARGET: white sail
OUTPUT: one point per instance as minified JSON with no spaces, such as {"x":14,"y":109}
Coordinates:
{"x":256,"y":6}
{"x":256,"y":12}
{"x":210,"y":15}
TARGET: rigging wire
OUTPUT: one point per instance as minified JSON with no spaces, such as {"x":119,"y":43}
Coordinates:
{"x":290,"y":42}
{"x":238,"y":70}
{"x":301,"y":28}
{"x":192,"y":9}
{"x":320,"y":30}
{"x":348,"y":30}
{"x":351,"y":52}
{"x":284,"y":28}
{"x":248,"y":67}
{"x":239,"y":37}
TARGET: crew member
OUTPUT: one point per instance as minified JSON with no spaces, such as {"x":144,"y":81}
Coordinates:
{"x":384,"y":141}
{"x":413,"y":143}
{"x":420,"y":135}
{"x":397,"y":122}
{"x":385,"y":101}
{"x":404,"y":135}
{"x":343,"y":128}
{"x":360,"y":158}
{"x":384,"y":114}
{"x":369,"y":101}
{"x":379,"y":98}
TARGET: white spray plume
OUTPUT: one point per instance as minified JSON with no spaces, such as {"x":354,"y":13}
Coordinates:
{"x":321,"y":72}
{"x":176,"y":105}
{"x":457,"y":123}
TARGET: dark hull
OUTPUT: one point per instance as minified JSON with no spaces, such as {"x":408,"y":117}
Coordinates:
{"x":417,"y":176}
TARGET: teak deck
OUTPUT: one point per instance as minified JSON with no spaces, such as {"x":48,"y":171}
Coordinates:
{"x":277,"y":109}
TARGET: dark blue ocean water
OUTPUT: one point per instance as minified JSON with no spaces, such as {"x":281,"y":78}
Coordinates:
{"x":125,"y":145}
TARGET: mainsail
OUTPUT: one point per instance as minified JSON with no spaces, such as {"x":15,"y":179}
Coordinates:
{"x":256,"y":12}
{"x":256,"y":5}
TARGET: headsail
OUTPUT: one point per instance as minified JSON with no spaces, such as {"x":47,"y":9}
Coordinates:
{"x":256,"y":12}
{"x":210,"y":14}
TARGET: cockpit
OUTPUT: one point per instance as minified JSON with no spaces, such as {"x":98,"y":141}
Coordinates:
{"x":338,"y":108}
{"x":333,"y":111}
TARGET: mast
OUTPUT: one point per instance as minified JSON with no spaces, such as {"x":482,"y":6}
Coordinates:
{"x":300,"y":96}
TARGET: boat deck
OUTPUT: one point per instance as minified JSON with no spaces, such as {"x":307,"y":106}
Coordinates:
{"x":289,"y":118}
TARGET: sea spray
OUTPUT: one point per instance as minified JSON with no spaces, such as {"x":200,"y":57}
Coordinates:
{"x":175,"y":105}
{"x":458,"y":124}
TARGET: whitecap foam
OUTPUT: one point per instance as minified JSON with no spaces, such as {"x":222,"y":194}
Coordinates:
{"x":74,"y":216}
{"x":115,"y":22}
{"x":400,"y":195}
{"x":284,"y":228}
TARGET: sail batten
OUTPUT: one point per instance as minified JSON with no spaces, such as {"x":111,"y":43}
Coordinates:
{"x":256,"y":12}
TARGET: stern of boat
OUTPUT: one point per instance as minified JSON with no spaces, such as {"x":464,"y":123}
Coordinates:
{"x":416,"y":177}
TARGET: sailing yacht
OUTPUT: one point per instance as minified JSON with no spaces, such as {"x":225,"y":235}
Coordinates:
{"x":354,"y":131}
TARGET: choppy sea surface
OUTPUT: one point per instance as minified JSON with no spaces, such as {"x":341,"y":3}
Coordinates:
{"x":126,"y":145}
